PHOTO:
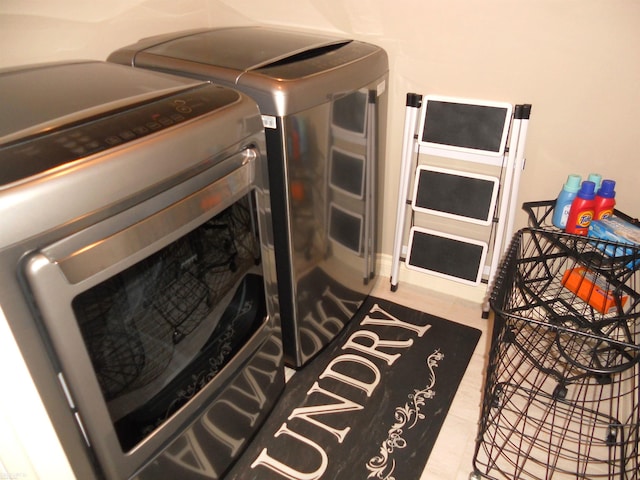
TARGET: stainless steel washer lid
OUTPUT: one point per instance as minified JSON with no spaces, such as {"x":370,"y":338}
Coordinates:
{"x":39,"y":98}
{"x":284,"y":71}
{"x":243,"y":48}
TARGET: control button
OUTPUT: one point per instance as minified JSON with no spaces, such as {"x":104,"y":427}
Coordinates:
{"x":183,"y":109}
{"x":177,"y":117}
{"x":141,"y":130}
{"x":153,"y":125}
{"x":165,"y":121}
{"x":127,"y":135}
{"x":113,"y":140}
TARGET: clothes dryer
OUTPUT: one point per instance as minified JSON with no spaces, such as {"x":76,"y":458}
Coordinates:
{"x":135,"y":274}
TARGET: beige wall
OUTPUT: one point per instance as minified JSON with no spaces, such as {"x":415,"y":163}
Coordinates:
{"x":576,"y":61}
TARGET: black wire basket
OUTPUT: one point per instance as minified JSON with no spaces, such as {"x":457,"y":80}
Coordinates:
{"x":539,"y":216}
{"x":562,"y":392}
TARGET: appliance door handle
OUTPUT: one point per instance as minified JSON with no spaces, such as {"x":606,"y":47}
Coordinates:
{"x":165,"y":226}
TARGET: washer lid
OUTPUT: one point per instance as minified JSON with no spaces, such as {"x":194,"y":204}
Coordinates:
{"x":38,"y":98}
{"x":246,"y":48}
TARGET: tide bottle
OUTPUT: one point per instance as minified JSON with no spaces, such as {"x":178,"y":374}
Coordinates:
{"x":605,"y":200}
{"x":564,"y":201}
{"x":582,"y":209}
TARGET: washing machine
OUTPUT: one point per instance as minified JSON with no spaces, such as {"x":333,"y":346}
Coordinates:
{"x":323,"y":102}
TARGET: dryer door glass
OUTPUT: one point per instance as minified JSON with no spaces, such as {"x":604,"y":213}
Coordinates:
{"x":159,"y":331}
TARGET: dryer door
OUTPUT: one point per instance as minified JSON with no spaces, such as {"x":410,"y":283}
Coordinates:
{"x":150,"y":314}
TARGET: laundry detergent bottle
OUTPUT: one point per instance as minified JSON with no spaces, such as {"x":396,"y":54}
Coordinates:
{"x":582,"y":209}
{"x":564,"y":201}
{"x":595,"y":178}
{"x":605,"y":200}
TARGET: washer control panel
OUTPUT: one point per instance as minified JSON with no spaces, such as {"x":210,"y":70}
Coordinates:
{"x":30,"y":156}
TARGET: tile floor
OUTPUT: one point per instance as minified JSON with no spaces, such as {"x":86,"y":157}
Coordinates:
{"x":452,"y":456}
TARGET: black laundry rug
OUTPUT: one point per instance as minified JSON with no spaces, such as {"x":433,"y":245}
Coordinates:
{"x":370,"y":405}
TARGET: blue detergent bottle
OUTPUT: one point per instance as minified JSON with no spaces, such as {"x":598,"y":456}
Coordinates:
{"x":564,"y":201}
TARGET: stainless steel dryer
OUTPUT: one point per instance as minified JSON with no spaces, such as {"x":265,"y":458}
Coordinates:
{"x":323,"y":105}
{"x":136,"y":273}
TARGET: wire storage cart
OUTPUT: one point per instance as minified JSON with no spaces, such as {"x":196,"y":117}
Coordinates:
{"x":562,"y":392}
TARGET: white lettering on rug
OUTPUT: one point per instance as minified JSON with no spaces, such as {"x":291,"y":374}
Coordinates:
{"x":345,"y":405}
{"x":391,"y":321}
{"x":368,"y":388}
{"x":286,"y":471}
{"x":376,"y":342}
{"x":366,"y":346}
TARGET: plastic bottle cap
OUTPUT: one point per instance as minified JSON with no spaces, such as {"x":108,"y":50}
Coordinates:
{"x":595,"y":178}
{"x":573,"y":183}
{"x":587,"y":190}
{"x":607,"y":190}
